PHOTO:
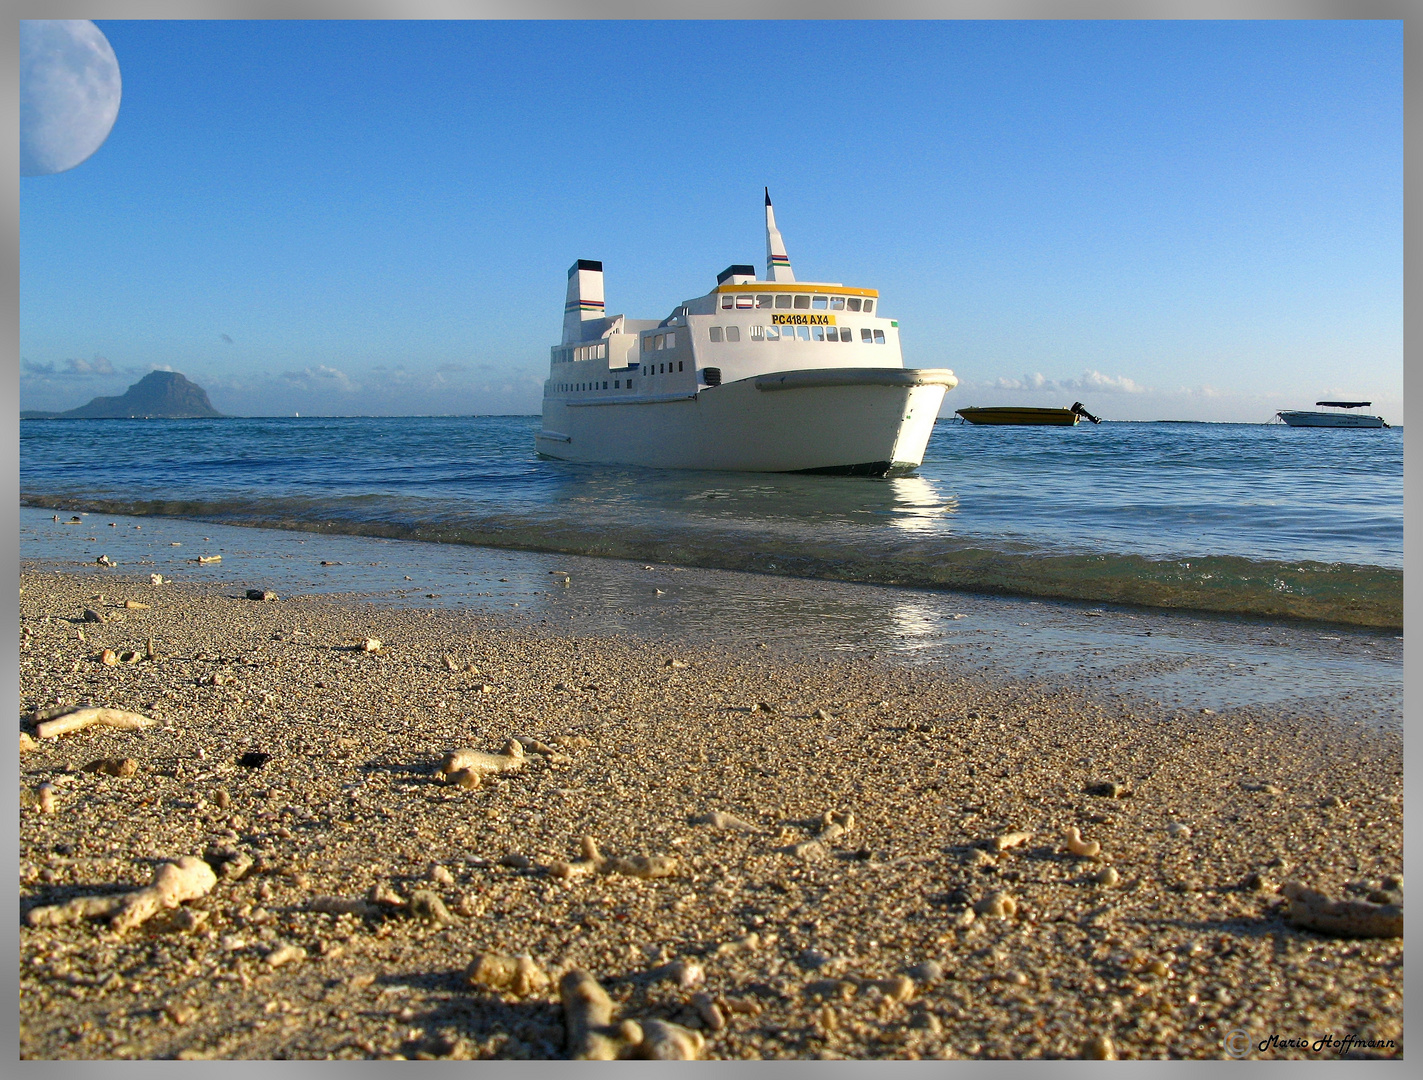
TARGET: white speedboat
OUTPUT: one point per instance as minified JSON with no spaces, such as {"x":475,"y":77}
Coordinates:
{"x":759,"y":375}
{"x":1306,"y":418}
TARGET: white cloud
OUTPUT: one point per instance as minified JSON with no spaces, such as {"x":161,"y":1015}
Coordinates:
{"x":1089,"y":381}
{"x":1110,"y":384}
{"x":98,"y":366}
{"x":322,"y":377}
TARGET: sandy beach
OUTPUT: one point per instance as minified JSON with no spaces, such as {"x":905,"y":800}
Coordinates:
{"x":788,"y":856}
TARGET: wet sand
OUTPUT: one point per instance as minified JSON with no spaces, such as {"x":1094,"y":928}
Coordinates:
{"x":869,"y":801}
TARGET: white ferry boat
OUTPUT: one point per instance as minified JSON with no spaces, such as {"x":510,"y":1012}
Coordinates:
{"x":759,"y":375}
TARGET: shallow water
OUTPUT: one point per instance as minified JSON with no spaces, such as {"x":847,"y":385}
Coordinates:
{"x":1177,"y":660}
{"x":1249,"y":519}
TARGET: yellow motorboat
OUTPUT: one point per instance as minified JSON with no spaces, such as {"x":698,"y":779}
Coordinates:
{"x":1011,"y":414}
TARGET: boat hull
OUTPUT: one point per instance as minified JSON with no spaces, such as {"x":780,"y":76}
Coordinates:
{"x":855,"y":421}
{"x":1331,"y":420}
{"x":1023,"y":417}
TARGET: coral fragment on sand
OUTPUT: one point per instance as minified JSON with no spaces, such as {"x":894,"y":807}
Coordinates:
{"x":1313,"y":910}
{"x":187,"y":879}
{"x":88,"y":717}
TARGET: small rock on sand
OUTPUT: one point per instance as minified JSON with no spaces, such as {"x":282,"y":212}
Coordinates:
{"x":1109,"y":789}
{"x":113,"y":766}
{"x":427,"y":905}
{"x":998,"y":905}
{"x":666,"y":1041}
{"x":440,"y":875}
{"x":285,"y":954}
{"x":517,"y":975}
{"x":1099,"y":1048}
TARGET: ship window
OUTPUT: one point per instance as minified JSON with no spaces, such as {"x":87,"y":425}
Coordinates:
{"x":866,"y":336}
{"x":679,"y":365}
{"x":846,"y":334}
{"x":818,"y":333}
{"x":758,"y":333}
{"x":714,"y":333}
{"x":879,"y":337}
{"x":662,"y":369}
{"x":869,"y":305}
{"x":765,"y":300}
{"x":647,"y":344}
{"x":617,"y":384}
{"x":671,"y":341}
{"x":727,"y":301}
{"x":818,"y":302}
{"x":784,"y":300}
{"x":605,"y":384}
{"x":733,"y":333}
{"x":853,"y":303}
{"x":803,"y":332}
{"x":802,"y":301}
{"x":837,"y":303}
{"x":773,"y":333}
{"x":745,"y":301}
{"x":661,"y":342}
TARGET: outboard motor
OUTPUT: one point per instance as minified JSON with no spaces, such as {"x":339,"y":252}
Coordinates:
{"x":1082,"y":412}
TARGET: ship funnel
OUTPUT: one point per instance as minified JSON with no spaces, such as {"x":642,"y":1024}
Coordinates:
{"x":584,"y":301}
{"x":778,"y":263}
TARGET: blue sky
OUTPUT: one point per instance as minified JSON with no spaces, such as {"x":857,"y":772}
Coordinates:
{"x":1165,"y":220}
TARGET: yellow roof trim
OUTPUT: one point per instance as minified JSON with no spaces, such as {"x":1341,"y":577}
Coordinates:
{"x":794,"y":286}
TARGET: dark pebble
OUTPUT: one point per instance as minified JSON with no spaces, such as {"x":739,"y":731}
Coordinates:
{"x":254,"y":759}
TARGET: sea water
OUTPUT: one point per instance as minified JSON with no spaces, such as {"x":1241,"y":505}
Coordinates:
{"x":1247,"y":519}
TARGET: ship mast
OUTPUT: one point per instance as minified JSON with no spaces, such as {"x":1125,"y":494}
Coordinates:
{"x":778,"y":263}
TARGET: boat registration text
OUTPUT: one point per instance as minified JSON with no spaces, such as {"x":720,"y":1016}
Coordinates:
{"x":802,"y":320}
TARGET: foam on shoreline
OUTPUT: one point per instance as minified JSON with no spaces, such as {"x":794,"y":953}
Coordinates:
{"x":1176,"y":660}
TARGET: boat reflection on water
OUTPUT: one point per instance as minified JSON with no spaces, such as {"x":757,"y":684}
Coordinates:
{"x":918,"y":506}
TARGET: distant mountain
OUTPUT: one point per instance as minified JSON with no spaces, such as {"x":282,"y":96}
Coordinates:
{"x":159,"y":394}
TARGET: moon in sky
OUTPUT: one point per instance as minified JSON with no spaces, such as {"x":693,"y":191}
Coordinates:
{"x":69,"y":93}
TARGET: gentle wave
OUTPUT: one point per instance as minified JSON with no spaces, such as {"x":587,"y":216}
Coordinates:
{"x":1370,"y":596}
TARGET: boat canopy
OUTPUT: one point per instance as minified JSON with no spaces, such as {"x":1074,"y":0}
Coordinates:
{"x":1345,"y":404}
